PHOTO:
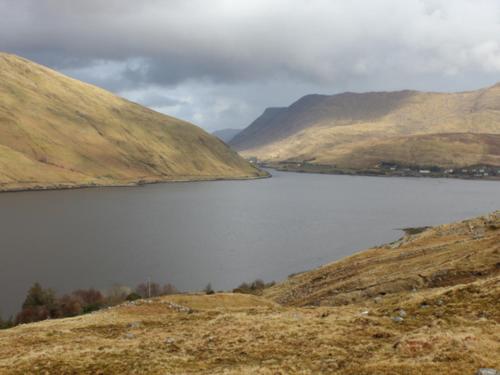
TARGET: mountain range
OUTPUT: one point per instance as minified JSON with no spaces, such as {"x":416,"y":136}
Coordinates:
{"x":362,"y":130}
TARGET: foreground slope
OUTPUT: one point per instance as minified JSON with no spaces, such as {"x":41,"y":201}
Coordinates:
{"x":354,"y":130}
{"x":427,"y":304}
{"x":59,"y":132}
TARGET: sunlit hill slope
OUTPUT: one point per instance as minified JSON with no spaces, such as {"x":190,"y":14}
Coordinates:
{"x":59,"y":132}
{"x":361,"y":130}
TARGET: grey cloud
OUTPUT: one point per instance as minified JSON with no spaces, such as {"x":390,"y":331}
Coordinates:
{"x":155,"y":99}
{"x":312,"y":40}
{"x":241,"y":56}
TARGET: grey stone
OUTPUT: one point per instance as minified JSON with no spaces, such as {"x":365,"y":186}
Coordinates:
{"x":397,"y":319}
{"x":487,"y":371}
{"x":134,"y":325}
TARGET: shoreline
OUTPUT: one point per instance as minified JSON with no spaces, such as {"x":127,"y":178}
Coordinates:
{"x":374,"y":173}
{"x":137,"y":183}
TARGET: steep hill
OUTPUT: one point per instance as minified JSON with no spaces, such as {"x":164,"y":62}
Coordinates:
{"x":352,"y":130}
{"x":59,"y":132}
{"x":427,"y":304}
{"x":226,"y":134}
{"x":432,"y":257}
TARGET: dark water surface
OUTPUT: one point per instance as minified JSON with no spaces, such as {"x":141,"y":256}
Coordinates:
{"x":222,"y":232}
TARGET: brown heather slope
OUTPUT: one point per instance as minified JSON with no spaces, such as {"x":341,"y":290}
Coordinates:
{"x":440,"y":256}
{"x":59,"y":132}
{"x":354,"y":130}
{"x":427,"y":304}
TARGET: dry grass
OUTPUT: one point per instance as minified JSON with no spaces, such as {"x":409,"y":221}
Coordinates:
{"x":444,"y":255}
{"x":59,"y":132}
{"x":450,"y":322}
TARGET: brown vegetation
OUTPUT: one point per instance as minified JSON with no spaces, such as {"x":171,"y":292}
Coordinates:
{"x":41,"y":304}
{"x":255,"y":287}
{"x":441,"y":256}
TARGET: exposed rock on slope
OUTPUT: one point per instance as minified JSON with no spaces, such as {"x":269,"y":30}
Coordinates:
{"x":353,"y":130}
{"x":59,"y":132}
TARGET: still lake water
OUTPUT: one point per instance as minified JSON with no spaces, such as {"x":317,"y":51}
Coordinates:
{"x":223,"y":232}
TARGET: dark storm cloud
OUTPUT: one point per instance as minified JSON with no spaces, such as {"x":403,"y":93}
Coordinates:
{"x":158,"y":100}
{"x":249,"y":54}
{"x":169,"y":36}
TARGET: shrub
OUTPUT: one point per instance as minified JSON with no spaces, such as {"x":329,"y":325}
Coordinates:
{"x":133,"y":296}
{"x":169,"y":289}
{"x":208,"y":289}
{"x":256,"y":287}
{"x":4,"y":324}
{"x":117,"y":294}
{"x":40,"y":304}
{"x":32,"y":314}
{"x":155,"y":290}
{"x":37,"y":296}
{"x":69,"y":305}
{"x":91,"y":299}
{"x":146,"y":290}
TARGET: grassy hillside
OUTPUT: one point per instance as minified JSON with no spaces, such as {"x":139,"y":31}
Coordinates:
{"x":353,"y":130}
{"x":427,"y":304}
{"x":59,"y":132}
{"x":443,"y":149}
{"x":442,"y":256}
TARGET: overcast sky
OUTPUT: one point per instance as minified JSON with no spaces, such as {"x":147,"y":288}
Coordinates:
{"x":220,"y":63}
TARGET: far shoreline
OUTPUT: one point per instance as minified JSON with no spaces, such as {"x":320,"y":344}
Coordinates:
{"x":372,"y":173}
{"x":137,"y":183}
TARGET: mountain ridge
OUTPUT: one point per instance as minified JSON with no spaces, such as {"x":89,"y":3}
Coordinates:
{"x":333,"y":129}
